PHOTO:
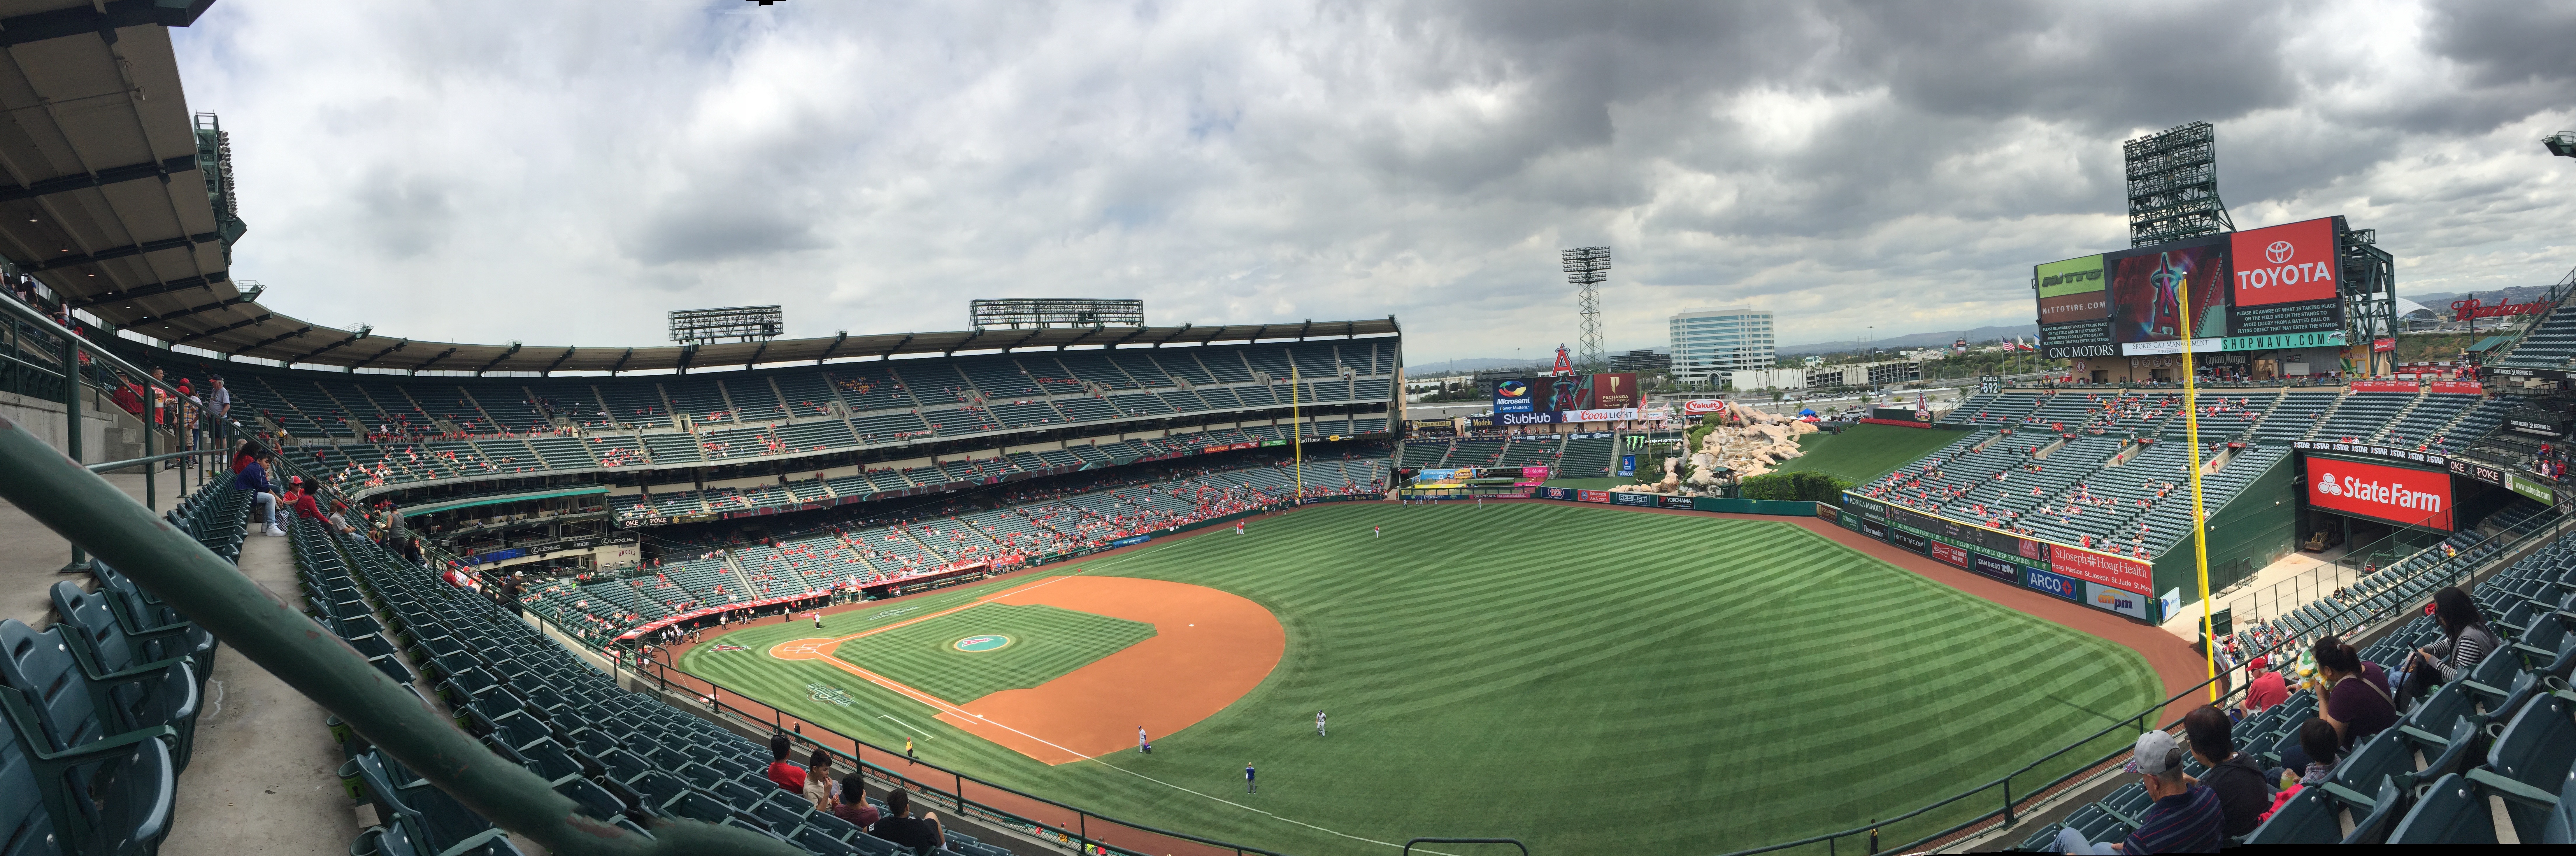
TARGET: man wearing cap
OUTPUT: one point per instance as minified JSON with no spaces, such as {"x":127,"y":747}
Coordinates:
{"x":2185,"y":818}
{"x":2265,"y":688}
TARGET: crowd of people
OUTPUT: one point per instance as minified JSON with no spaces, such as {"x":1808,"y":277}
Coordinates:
{"x":2235,"y":791}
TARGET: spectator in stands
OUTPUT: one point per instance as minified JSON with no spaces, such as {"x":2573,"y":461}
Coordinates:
{"x":2465,"y":642}
{"x":921,"y":834}
{"x":2316,"y":740}
{"x":2356,"y":697}
{"x":781,"y":770}
{"x":250,"y":451}
{"x":2185,"y":817}
{"x":2265,"y":688}
{"x":251,"y":477}
{"x":819,"y":786}
{"x":301,"y":502}
{"x":853,"y":805}
{"x":219,"y":403}
{"x":2244,"y":793}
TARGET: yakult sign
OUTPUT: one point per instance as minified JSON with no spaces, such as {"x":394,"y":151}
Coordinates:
{"x":2394,"y":494}
{"x":2288,"y":263}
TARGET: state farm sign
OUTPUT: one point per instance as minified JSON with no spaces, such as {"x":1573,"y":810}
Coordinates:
{"x":2395,"y":494}
{"x":2285,"y":264}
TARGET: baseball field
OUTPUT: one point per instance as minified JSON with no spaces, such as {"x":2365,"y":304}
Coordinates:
{"x":1584,"y":679}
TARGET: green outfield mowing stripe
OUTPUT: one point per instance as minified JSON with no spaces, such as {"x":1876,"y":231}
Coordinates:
{"x":1587,"y":680}
{"x":1042,"y":644}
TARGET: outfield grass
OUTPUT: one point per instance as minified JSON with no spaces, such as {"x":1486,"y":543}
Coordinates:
{"x":1045,"y":642}
{"x":1586,"y":680}
{"x":1864,"y":452}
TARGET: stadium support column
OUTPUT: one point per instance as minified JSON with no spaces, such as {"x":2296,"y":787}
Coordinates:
{"x":1297,"y":442}
{"x":72,"y":432}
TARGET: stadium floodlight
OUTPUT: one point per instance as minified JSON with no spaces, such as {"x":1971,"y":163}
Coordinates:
{"x":2173,"y":185}
{"x":740,"y":323}
{"x":1586,"y":268}
{"x":2562,"y":144}
{"x":1014,"y":313}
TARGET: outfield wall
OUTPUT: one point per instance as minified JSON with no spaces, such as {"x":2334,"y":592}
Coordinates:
{"x":1678,"y":503}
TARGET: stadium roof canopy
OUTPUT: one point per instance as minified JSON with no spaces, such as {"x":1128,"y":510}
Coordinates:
{"x":104,"y":200}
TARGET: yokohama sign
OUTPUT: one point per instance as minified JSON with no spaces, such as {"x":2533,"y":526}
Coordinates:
{"x":2398,"y":495}
{"x":2286,"y":263}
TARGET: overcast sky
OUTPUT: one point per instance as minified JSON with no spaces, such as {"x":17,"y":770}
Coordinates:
{"x":567,"y":172}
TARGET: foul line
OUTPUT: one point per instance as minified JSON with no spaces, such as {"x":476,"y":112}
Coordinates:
{"x":924,"y":734}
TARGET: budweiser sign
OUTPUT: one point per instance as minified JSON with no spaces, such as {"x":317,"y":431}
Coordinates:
{"x":2462,"y":310}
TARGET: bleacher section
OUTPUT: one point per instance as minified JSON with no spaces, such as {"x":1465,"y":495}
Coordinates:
{"x":2104,"y":491}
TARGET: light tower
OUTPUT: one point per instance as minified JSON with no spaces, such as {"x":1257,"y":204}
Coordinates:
{"x":1587,"y":267}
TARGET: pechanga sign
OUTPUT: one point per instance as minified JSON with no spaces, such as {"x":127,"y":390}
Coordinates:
{"x":2408,"y":497}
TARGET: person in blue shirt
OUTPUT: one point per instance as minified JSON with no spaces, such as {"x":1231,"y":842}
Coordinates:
{"x":1247,"y":778}
{"x":253,"y":478}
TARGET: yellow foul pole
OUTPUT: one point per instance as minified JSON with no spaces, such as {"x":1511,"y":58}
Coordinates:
{"x":2199,"y":523}
{"x":1297,"y":449}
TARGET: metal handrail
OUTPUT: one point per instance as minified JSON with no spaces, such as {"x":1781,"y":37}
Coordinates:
{"x":112,"y":466}
{"x":85,"y":509}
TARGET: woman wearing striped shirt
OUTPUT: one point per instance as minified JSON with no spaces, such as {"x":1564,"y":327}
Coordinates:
{"x":2466,"y":641}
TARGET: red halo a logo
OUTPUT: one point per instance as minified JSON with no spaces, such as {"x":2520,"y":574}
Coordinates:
{"x":2279,"y":252}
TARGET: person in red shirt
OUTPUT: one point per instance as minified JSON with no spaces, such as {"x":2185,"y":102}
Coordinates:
{"x":2266,"y":688}
{"x":300,"y":502}
{"x":782,"y":771}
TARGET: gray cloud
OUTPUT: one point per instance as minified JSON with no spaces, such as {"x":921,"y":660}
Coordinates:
{"x":487,"y":171}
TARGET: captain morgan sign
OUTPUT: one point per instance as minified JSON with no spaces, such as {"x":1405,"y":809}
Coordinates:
{"x":2395,"y":494}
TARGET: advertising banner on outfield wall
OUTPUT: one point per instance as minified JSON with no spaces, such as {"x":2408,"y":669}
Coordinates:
{"x":1680,"y":502}
{"x":2129,"y":603}
{"x":1592,"y":495}
{"x":1950,"y":554}
{"x":1632,"y":499}
{"x":2104,"y":568}
{"x":1873,"y":529}
{"x":2064,"y":587}
{"x":1908,"y":539}
{"x":1996,"y":568}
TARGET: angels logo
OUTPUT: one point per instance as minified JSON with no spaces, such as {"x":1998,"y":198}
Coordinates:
{"x":722,"y":648}
{"x":2326,"y":485}
{"x":2279,"y":252}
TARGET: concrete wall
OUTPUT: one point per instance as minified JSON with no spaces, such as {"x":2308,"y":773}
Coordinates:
{"x":107,"y":433}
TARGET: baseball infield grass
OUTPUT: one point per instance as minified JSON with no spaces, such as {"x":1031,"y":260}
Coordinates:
{"x":1586,"y":680}
{"x":1864,"y":452}
{"x":981,"y":650}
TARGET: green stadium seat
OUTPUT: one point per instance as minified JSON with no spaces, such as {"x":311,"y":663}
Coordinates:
{"x":136,"y":692}
{"x":402,"y":837}
{"x":2535,"y":751}
{"x":108,"y":795}
{"x":2452,"y":811}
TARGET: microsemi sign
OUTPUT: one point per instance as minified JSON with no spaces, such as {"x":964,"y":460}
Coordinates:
{"x":2398,"y":495}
